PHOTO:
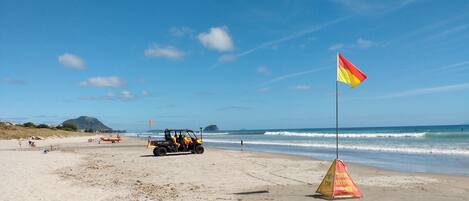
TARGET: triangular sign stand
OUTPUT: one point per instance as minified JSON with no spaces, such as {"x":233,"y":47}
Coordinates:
{"x":337,"y":184}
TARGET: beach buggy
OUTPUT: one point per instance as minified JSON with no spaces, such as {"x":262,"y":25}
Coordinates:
{"x":181,"y":141}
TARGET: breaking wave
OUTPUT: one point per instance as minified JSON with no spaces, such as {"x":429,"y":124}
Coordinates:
{"x":348,"y":135}
{"x":391,"y":149}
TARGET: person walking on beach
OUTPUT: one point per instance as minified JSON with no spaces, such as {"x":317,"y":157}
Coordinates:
{"x":242,"y":145}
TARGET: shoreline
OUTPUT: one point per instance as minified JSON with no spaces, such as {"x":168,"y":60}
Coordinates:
{"x":128,"y":171}
{"x":361,"y":165}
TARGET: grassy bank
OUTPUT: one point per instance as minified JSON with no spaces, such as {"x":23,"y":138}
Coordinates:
{"x":19,"y":132}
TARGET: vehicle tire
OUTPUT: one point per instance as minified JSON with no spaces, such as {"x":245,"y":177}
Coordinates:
{"x":160,"y":151}
{"x":199,"y":149}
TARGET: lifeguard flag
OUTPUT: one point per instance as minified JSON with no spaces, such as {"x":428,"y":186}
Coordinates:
{"x":337,"y":184}
{"x":348,"y":73}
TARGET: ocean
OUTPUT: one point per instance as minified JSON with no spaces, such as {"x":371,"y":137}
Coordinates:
{"x":430,"y":149}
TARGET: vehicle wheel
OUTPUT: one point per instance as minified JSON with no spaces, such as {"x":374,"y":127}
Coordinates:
{"x":159,"y":151}
{"x":199,"y":149}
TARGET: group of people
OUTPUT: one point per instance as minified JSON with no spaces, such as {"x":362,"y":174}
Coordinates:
{"x":183,"y":141}
{"x":30,"y":142}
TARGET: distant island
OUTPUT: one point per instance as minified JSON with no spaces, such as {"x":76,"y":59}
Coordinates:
{"x":211,"y":128}
{"x":88,"y":124}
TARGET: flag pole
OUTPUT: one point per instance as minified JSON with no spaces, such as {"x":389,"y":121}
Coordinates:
{"x":337,"y":113}
{"x":337,"y":119}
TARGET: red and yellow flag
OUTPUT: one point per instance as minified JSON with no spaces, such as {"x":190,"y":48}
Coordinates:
{"x":348,"y":73}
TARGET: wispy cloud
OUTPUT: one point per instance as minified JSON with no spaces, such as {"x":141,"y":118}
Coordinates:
{"x":292,"y":75}
{"x":123,"y":95}
{"x":126,"y":95}
{"x":226,"y":58}
{"x":430,"y":90}
{"x":145,"y":93}
{"x":263,"y":70}
{"x":301,"y":87}
{"x":71,"y":61}
{"x":420,"y":32}
{"x":217,"y":38}
{"x":181,"y":31}
{"x":234,"y":107}
{"x":366,"y":6}
{"x":108,"y":96}
{"x":167,"y":52}
{"x":12,"y":81}
{"x":111,"y":81}
{"x":360,"y":43}
{"x":337,"y":46}
{"x":263,"y":89}
{"x":447,"y":32}
{"x":455,"y":66}
{"x":287,"y":38}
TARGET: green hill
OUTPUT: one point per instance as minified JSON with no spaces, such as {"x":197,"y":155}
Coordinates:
{"x":88,"y":123}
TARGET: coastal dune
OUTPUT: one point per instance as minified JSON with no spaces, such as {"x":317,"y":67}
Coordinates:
{"x":79,"y":170}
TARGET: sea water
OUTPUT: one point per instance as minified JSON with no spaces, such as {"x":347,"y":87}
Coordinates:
{"x":433,"y":149}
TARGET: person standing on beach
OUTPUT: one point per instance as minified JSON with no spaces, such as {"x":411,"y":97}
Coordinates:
{"x":242,"y":145}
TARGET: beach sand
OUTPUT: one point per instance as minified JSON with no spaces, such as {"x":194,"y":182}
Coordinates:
{"x":78,"y":170}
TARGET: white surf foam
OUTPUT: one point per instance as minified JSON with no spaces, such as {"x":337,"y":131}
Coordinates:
{"x":214,"y":133}
{"x":410,"y":150}
{"x":347,"y":135}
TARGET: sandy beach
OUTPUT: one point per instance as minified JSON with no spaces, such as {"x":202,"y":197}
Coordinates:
{"x":78,"y":170}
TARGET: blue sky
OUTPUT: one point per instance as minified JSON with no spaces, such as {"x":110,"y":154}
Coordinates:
{"x":237,"y":64}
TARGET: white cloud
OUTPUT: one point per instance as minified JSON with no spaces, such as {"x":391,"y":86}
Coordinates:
{"x":72,"y":61}
{"x":363,"y":43}
{"x":263,"y":70}
{"x":336,"y":46}
{"x":217,"y":38}
{"x":167,"y":52}
{"x":112,"y":81}
{"x":126,"y":95}
{"x":430,"y":90}
{"x":181,"y":31}
{"x":360,"y":43}
{"x":301,"y":87}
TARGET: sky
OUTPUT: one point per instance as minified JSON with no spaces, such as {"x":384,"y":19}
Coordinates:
{"x":237,"y":64}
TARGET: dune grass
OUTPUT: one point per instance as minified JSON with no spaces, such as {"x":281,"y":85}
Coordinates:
{"x":19,"y":132}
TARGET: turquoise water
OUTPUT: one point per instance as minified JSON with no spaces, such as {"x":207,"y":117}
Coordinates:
{"x":435,"y":149}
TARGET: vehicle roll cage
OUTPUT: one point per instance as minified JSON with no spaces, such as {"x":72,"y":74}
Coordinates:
{"x":190,"y":133}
